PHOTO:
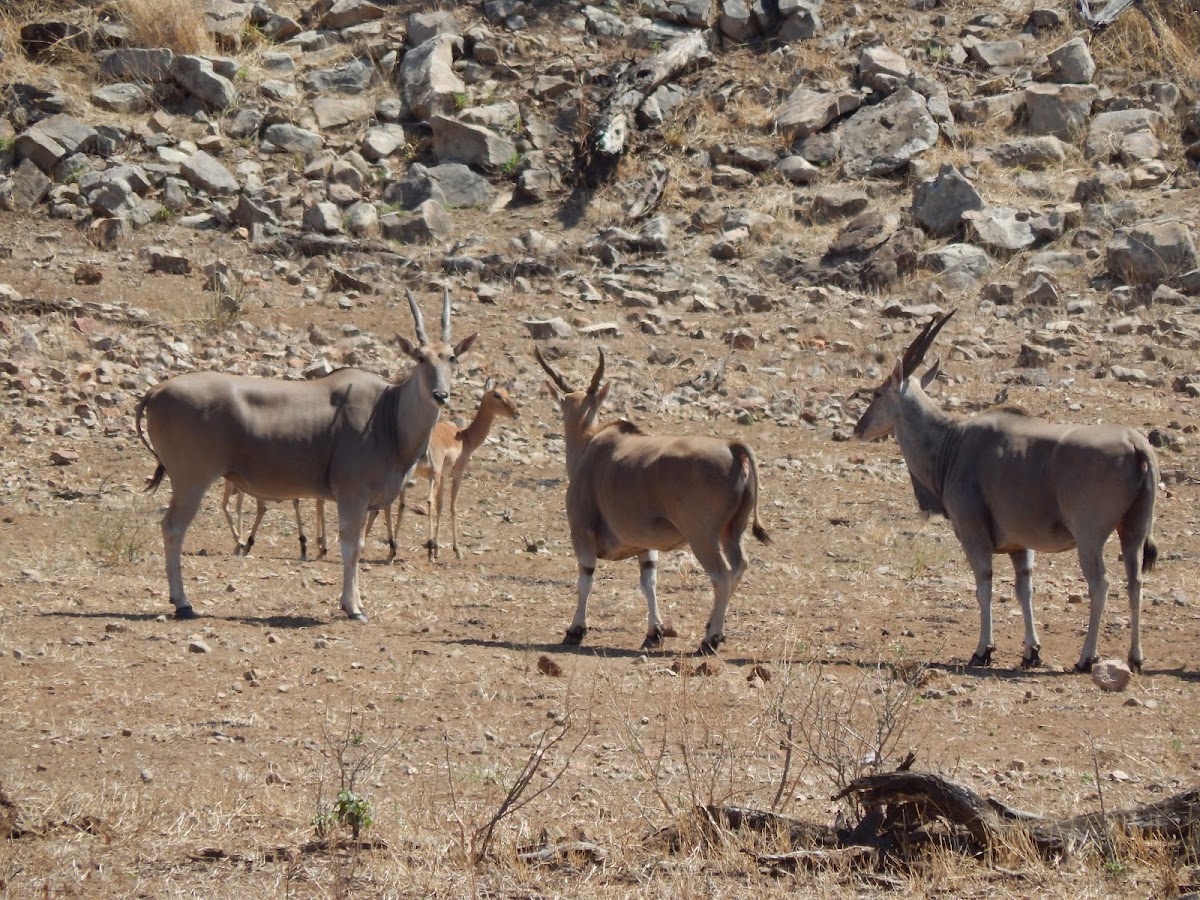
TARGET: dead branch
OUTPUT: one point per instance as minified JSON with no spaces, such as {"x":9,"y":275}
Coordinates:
{"x":608,"y":139}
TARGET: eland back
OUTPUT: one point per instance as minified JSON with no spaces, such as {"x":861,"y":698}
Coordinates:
{"x":1014,"y":484}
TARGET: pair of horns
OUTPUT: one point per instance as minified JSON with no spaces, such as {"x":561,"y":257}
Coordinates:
{"x":419,"y":320}
{"x":915,"y":354}
{"x":562,"y":382}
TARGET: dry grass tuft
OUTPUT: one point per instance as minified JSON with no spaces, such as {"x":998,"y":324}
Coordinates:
{"x":1158,"y":37}
{"x":177,"y":25}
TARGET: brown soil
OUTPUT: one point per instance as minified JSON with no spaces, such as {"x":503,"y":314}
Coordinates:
{"x":142,"y":769}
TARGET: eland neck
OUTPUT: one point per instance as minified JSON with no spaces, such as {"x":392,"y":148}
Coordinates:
{"x":925,"y":435}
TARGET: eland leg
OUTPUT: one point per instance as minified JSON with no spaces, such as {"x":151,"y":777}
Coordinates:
{"x":980,"y":560}
{"x":322,"y":544}
{"x":723,"y":581}
{"x":1022,"y":561}
{"x":1131,"y":550}
{"x":656,"y":630}
{"x":1091,"y":560}
{"x":180,"y":511}
{"x":352,"y":520}
{"x":587,"y":578}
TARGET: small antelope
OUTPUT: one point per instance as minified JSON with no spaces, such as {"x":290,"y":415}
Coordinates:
{"x":351,"y":437}
{"x":1010,"y":483}
{"x":449,"y":452}
{"x":635,"y":494}
{"x":243,"y":548}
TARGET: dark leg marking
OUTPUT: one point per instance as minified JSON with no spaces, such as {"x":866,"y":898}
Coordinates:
{"x":1086,"y":665}
{"x":1033,"y":660}
{"x":574,"y":636}
{"x":185,"y":613}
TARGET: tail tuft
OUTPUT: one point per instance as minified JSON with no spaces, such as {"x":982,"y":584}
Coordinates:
{"x":761,"y":533}
{"x":156,"y":479}
{"x":1149,"y":555}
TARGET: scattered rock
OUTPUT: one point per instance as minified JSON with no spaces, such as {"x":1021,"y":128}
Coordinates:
{"x":1111,"y":675}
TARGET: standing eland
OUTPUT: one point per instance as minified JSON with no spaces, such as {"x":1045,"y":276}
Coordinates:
{"x":351,"y":437}
{"x":1011,"y":483}
{"x":634,"y":494}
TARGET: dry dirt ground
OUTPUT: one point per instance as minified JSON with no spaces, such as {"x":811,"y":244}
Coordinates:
{"x":141,"y":769}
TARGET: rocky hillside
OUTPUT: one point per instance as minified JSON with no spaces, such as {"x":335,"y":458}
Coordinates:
{"x":668,"y":166}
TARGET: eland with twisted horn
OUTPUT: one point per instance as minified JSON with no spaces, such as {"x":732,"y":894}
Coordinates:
{"x":1011,"y":483}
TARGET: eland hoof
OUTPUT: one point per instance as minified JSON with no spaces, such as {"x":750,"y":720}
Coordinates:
{"x":1085,"y":665}
{"x":574,"y":636}
{"x":1136,"y":666}
{"x":653,"y":640}
{"x":357,"y":617}
{"x":1033,"y":660}
{"x":982,"y":659}
{"x":184,"y":613}
{"x":708,"y":646}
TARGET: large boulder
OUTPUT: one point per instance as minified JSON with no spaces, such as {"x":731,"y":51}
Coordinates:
{"x":1151,"y":253}
{"x":939,"y":202}
{"x":881,"y":139}
{"x":426,"y":78}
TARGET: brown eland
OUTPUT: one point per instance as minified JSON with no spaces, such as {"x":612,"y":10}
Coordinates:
{"x":635,"y":494}
{"x":351,"y":437}
{"x":1011,"y":483}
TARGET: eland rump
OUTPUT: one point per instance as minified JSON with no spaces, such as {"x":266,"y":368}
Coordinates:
{"x":351,"y":437}
{"x":1011,"y":483}
{"x":634,"y":494}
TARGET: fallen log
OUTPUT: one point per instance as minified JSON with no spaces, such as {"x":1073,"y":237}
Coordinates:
{"x":609,"y":138}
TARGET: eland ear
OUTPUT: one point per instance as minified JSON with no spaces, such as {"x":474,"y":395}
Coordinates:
{"x":602,"y":392}
{"x":931,"y":375}
{"x":409,"y":348}
{"x":897,"y":376}
{"x":464,"y":346}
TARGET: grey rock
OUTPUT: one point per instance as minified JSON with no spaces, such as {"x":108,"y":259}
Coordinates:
{"x":968,"y":258}
{"x":797,"y":170}
{"x":545,"y":329}
{"x":831,"y":205}
{"x":121,"y":98}
{"x":1151,"y":253}
{"x":292,"y":138}
{"x":998,"y":110}
{"x":939,"y":202}
{"x":136,"y":64}
{"x":451,"y":184}
{"x":348,"y":13}
{"x":353,"y":77}
{"x":426,"y":78}
{"x":205,"y":173}
{"x":1026,"y":153}
{"x":428,"y":222}
{"x":1072,"y":63}
{"x":423,"y":26}
{"x":1060,"y":110}
{"x":881,"y":139}
{"x":472,"y":145}
{"x":995,"y":54}
{"x":324,"y":218}
{"x":381,"y":141}
{"x":198,"y":77}
{"x":801,"y":20}
{"x":1108,"y":129}
{"x":29,"y":185}
{"x":999,"y":229}
{"x":807,"y":111}
{"x":334,"y":111}
{"x":882,"y":69}
{"x":737,"y":22}
{"x":362,"y":219}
